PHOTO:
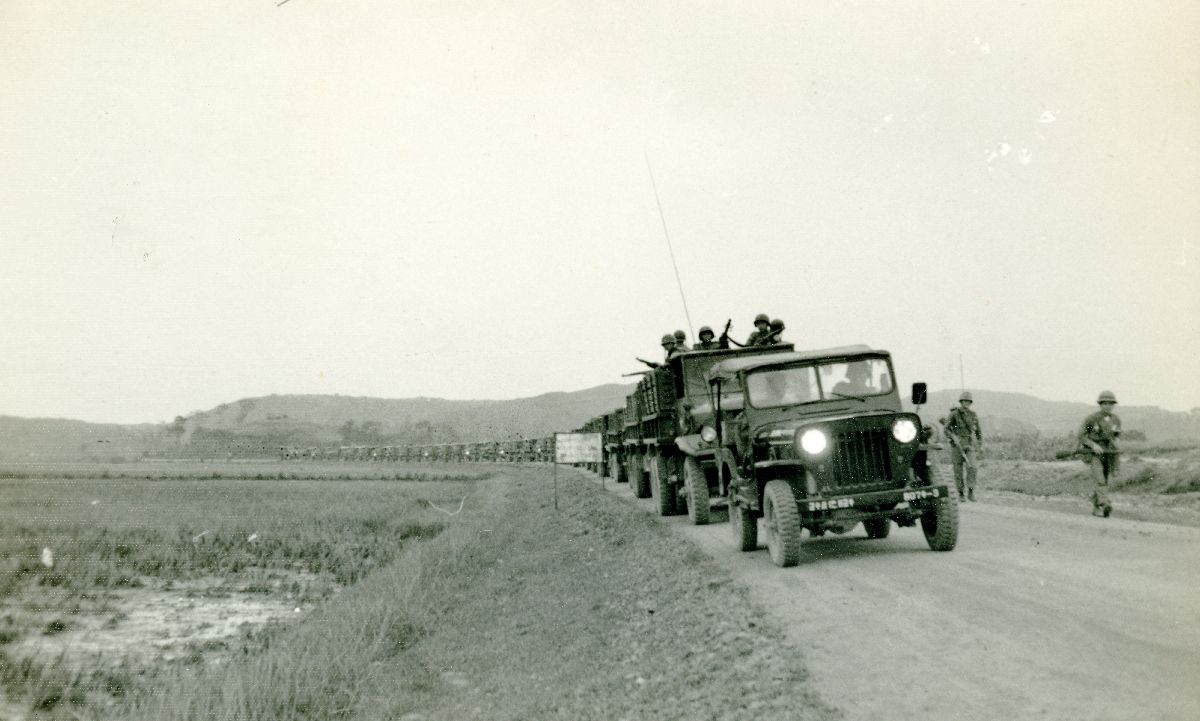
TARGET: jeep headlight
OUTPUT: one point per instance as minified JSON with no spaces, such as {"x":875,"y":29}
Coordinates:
{"x":813,"y":441}
{"x":904,"y":430}
{"x":708,"y":434}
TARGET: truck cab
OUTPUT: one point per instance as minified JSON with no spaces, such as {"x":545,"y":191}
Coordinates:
{"x":818,"y":440}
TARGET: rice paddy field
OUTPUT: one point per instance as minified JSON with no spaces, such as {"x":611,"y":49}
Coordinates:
{"x":117,"y":581}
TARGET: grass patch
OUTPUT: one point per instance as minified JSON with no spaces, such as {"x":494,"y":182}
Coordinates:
{"x":73,"y":548}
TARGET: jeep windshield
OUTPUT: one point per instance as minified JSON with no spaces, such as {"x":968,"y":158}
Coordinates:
{"x":835,"y":381}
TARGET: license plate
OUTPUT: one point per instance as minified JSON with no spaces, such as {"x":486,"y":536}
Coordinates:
{"x":917,"y":495}
{"x":831,"y":505}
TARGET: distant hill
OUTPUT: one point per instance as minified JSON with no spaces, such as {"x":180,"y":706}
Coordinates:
{"x":1016,"y":413}
{"x":260,"y":426}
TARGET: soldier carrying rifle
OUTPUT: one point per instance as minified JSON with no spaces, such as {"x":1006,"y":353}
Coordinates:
{"x":1098,"y":446}
{"x":962,"y":430}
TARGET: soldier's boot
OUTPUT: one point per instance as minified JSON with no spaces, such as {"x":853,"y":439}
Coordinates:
{"x":970,"y":494}
{"x":958,"y":482}
{"x":1107,"y":510}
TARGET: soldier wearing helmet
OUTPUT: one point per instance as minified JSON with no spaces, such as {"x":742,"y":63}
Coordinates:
{"x":1098,"y":444}
{"x":668,"y":344}
{"x":681,"y":345}
{"x":774,"y":333}
{"x":762,"y":329}
{"x":706,"y":341}
{"x":962,"y":430}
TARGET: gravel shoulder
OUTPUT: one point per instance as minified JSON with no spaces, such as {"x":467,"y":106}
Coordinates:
{"x":594,"y":611}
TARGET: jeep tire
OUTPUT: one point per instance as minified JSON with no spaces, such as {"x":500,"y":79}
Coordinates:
{"x":781,"y":520}
{"x":697,"y":491}
{"x":940,"y":524}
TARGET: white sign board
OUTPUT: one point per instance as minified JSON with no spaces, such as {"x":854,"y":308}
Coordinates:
{"x":577,"y":448}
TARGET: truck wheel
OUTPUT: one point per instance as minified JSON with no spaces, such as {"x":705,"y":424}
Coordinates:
{"x":745,"y":527}
{"x":637,"y":477}
{"x":781,"y":519}
{"x":660,"y":487}
{"x":697,"y":491}
{"x":940,"y":524}
{"x":878,"y":527}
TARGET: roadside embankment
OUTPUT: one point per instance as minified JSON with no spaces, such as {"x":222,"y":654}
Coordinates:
{"x":594,"y":611}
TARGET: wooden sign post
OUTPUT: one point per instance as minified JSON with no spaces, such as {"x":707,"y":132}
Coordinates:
{"x":576,"y":448}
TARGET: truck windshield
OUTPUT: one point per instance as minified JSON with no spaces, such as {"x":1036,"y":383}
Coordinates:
{"x":856,"y":378}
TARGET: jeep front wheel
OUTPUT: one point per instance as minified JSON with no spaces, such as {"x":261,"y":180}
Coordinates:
{"x":940,"y":524}
{"x":697,"y":491}
{"x":781,"y":520}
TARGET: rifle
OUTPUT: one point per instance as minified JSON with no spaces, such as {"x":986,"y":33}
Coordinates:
{"x":957,"y":443}
{"x":725,"y":340}
{"x":652,"y":364}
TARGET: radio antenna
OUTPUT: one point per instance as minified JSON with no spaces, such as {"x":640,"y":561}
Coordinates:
{"x":670,"y":250}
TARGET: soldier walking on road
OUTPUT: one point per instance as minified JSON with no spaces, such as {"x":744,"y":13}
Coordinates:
{"x":1098,"y":444}
{"x":706,"y":341}
{"x":962,"y":430}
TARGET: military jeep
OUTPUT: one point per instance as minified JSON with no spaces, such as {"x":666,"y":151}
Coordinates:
{"x":818,"y":440}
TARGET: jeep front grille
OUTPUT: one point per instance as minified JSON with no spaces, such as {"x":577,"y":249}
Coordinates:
{"x":860,"y":460}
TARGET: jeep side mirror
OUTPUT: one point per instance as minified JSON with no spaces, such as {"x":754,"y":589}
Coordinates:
{"x":918,"y":394}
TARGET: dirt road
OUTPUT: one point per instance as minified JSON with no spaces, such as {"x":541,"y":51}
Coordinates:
{"x":1036,"y":614}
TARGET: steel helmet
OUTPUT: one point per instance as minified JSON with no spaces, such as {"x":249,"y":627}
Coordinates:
{"x":668,"y":338}
{"x":680,"y":335}
{"x":1106,"y":397}
{"x":777,"y":324}
{"x":966,"y":396}
{"x":761,"y":318}
{"x":705,"y":329}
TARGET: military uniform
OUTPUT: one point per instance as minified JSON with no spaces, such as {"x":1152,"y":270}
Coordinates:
{"x":759,"y":336}
{"x":1098,"y":443}
{"x":962,"y":430}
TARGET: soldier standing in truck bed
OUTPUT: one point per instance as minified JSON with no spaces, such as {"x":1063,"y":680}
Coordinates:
{"x":775,"y":333}
{"x":681,"y":342}
{"x":668,"y":344}
{"x":762,"y":328}
{"x":962,"y":430}
{"x":707,"y":341}
{"x":1098,"y":441}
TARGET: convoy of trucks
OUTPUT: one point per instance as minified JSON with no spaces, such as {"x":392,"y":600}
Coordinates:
{"x":814,"y":440}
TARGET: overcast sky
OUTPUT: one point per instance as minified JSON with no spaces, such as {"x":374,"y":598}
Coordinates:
{"x":206,"y":201}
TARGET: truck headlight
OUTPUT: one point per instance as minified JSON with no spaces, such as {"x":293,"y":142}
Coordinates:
{"x":708,"y":434}
{"x":904,"y":430}
{"x":813,"y":441}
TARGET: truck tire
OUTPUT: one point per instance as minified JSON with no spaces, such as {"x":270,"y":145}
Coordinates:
{"x":744,"y":525}
{"x":660,"y":487}
{"x":940,"y":524}
{"x":878,"y":527}
{"x":637,"y":477}
{"x":781,"y":519}
{"x":697,"y":491}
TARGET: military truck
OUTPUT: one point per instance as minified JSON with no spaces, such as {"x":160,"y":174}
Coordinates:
{"x":661,"y":419}
{"x":817,"y":440}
